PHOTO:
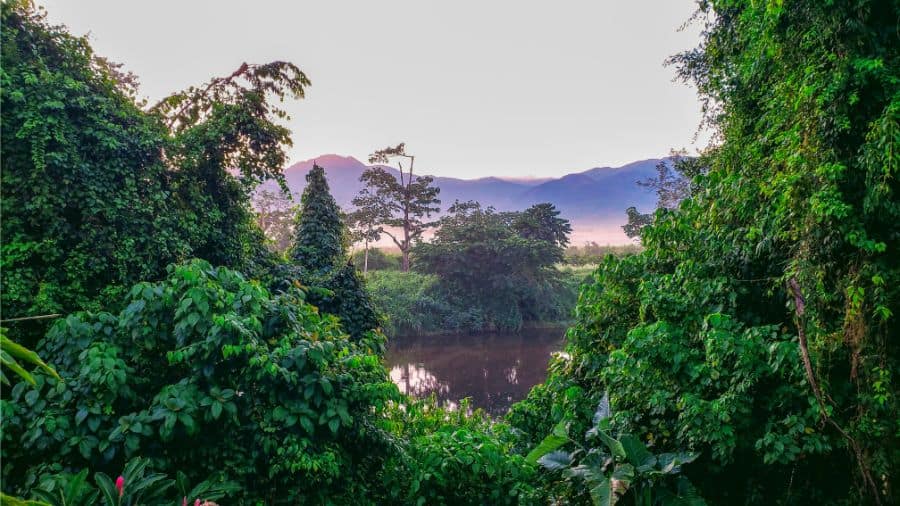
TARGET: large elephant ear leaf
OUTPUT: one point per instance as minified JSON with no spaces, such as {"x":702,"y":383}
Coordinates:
{"x":615,"y":447}
{"x":602,"y":494}
{"x":555,"y":461}
{"x":637,"y":454}
{"x":550,"y":443}
{"x":601,"y":418}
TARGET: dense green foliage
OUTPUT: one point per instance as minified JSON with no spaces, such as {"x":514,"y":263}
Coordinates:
{"x":758,"y":325}
{"x":754,"y":335}
{"x":484,"y":271}
{"x":499,"y":266}
{"x":415,"y":304}
{"x":619,"y":468}
{"x":207,"y":373}
{"x":345,"y":296}
{"x":99,"y":194}
{"x":455,"y":458}
{"x":379,"y":260}
{"x":318,"y":244}
{"x":321,"y":260}
{"x":592,"y":253}
{"x":542,"y":222}
{"x":410,"y":302}
{"x":139,"y":486}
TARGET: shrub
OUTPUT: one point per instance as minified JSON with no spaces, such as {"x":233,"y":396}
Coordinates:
{"x":453,"y":457}
{"x":408,"y":300}
{"x":379,"y":260}
{"x":207,"y":373}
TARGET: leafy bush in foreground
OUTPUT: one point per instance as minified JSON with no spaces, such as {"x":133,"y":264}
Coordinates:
{"x":207,"y":373}
{"x":611,"y":467}
{"x":453,"y":457}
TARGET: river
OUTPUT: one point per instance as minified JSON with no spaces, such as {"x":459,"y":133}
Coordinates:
{"x":494,"y":370}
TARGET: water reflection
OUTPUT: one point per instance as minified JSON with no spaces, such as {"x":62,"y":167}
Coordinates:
{"x":494,"y":370}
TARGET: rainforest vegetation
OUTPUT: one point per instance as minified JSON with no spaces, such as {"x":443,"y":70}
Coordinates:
{"x":745,"y":354}
{"x":483,"y":270}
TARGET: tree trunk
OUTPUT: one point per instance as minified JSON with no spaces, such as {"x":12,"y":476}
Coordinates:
{"x":406,"y":224}
{"x":366,"y":260}
{"x":406,"y":241}
{"x":405,"y":265}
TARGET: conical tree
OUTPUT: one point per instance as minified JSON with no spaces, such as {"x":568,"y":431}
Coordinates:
{"x":321,"y":255}
{"x":318,"y":248}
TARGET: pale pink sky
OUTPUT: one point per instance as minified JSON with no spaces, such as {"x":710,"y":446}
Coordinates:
{"x":475,"y":88}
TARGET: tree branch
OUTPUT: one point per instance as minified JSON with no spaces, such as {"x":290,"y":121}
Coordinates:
{"x":393,"y":239}
{"x":25,"y":318}
{"x":800,"y":310}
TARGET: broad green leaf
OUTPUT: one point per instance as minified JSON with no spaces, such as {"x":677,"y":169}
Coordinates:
{"x":602,"y":494}
{"x":556,"y":460}
{"x":623,"y":473}
{"x":107,"y":488}
{"x":636,"y":453}
{"x":615,"y":447}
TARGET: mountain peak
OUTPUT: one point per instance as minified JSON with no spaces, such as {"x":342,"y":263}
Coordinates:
{"x":327,"y":161}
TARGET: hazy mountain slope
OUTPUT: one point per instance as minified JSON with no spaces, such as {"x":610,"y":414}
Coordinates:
{"x":594,"y":200}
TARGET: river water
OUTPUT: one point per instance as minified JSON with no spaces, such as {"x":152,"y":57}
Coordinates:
{"x":494,"y":370}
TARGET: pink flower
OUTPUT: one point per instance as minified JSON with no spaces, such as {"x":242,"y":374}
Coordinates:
{"x":184,"y":501}
{"x":197,"y":502}
{"x":120,"y":485}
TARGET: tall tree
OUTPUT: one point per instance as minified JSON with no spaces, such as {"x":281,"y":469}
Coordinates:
{"x":403,"y":203}
{"x":363,"y":224}
{"x":542,"y":222}
{"x":318,"y":244}
{"x":484,"y":263}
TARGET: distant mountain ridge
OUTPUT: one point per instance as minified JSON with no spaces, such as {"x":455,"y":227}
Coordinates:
{"x":594,"y":200}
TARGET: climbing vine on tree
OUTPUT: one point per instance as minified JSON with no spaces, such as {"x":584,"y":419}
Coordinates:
{"x":99,"y":193}
{"x":758,"y":326}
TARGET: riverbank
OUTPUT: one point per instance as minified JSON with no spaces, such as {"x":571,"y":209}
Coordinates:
{"x":413,"y":303}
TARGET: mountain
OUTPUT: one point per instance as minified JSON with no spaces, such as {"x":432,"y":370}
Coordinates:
{"x":593,"y":200}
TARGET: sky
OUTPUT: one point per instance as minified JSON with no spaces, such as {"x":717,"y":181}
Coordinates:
{"x":474,"y":88}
